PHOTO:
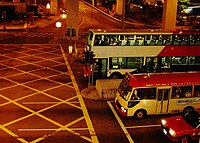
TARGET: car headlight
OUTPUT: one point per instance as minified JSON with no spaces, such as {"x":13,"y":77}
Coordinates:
{"x":123,"y":109}
{"x":163,"y":122}
{"x":172,"y":132}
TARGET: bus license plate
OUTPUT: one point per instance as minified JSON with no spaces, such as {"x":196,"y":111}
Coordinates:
{"x":164,"y":131}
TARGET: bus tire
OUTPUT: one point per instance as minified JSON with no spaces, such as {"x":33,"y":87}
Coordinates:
{"x":140,"y":114}
{"x":185,"y":139}
{"x":116,"y":75}
{"x":188,"y":109}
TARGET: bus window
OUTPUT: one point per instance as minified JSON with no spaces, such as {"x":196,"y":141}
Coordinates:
{"x":147,"y":39}
{"x":126,"y":62}
{"x":90,"y":36}
{"x":123,"y":42}
{"x":155,"y":39}
{"x":114,"y":63}
{"x":131,"y":42}
{"x":192,"y":40}
{"x":176,"y":92}
{"x":144,"y":93}
{"x":112,"y":40}
{"x":191,"y":60}
{"x":97,"y":40}
{"x":136,"y":62}
{"x":159,"y":41}
{"x":89,"y":39}
{"x":182,"y":92}
{"x":187,"y":91}
{"x":100,"y":40}
{"x":151,"y":64}
{"x":165,"y":62}
{"x":167,"y":39}
{"x":140,"y":39}
{"x":176,"y":40}
{"x":118,"y":63}
{"x":198,"y":41}
{"x":124,"y":89}
{"x":163,"y":94}
{"x":183,"y":40}
{"x":197,"y":60}
{"x":99,"y":68}
{"x":179,"y":60}
{"x":197,"y":91}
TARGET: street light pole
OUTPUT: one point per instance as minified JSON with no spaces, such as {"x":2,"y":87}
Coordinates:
{"x":123,"y":13}
{"x":92,"y":9}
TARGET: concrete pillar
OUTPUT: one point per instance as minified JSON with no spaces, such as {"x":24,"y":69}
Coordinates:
{"x":64,"y":3}
{"x":72,"y":14}
{"x":54,"y":7}
{"x":169,"y":15}
{"x":119,"y":7}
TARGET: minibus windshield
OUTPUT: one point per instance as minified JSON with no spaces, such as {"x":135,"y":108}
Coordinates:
{"x":124,"y":89}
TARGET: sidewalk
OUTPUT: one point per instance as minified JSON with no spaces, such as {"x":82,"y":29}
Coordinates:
{"x":91,"y":93}
{"x":18,"y":28}
{"x":38,"y":22}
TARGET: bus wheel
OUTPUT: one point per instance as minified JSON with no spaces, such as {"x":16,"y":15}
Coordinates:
{"x":140,"y":114}
{"x":187,"y":110}
{"x":116,"y":75}
{"x":184,"y":139}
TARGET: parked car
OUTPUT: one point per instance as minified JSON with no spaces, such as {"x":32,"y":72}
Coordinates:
{"x":183,"y":128}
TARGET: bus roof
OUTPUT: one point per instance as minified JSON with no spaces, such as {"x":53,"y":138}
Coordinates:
{"x":142,"y":31}
{"x":163,"y":79}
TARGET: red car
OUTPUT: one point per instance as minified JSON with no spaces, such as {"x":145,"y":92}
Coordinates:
{"x":184,"y":128}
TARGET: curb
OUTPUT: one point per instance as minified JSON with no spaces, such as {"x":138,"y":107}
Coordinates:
{"x":19,"y":29}
{"x":90,"y":93}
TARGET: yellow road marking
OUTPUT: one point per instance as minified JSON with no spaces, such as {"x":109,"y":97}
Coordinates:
{"x":84,"y":109}
{"x":37,"y":113}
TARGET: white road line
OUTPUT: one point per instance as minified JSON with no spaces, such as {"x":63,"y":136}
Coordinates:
{"x":120,"y":123}
{"x":145,"y":126}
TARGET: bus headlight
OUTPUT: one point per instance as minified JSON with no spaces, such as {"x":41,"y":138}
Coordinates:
{"x":163,"y":122}
{"x":123,"y":109}
{"x":172,"y":132}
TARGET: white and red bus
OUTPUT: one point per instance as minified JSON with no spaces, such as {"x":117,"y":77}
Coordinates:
{"x":158,"y":93}
{"x":118,"y":52}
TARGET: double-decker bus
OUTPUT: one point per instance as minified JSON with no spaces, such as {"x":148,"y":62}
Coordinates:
{"x":118,"y":52}
{"x":158,"y":93}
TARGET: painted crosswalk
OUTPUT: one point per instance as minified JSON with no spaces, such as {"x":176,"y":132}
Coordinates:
{"x":41,"y":34}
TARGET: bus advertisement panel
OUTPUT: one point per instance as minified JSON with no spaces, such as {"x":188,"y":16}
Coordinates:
{"x":149,"y":51}
{"x":158,"y":93}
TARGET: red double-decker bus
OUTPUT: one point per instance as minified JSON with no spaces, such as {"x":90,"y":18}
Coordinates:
{"x":150,"y":51}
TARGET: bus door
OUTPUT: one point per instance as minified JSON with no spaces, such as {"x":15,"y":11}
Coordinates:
{"x":151,"y":64}
{"x":162,"y":100}
{"x":100,"y":70}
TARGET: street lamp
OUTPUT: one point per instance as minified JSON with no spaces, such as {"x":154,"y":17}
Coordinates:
{"x":58,"y":24}
{"x":48,"y":6}
{"x":48,"y":10}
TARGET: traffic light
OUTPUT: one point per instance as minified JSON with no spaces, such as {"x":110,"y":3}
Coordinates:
{"x":85,"y":57}
{"x":91,"y":58}
{"x":73,"y":32}
{"x":87,"y":70}
{"x":67,"y":32}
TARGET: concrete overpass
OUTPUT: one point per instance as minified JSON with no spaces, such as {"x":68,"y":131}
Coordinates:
{"x":168,"y":18}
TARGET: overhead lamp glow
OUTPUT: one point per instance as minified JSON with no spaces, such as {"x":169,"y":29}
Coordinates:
{"x":58,"y":24}
{"x":48,"y":6}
